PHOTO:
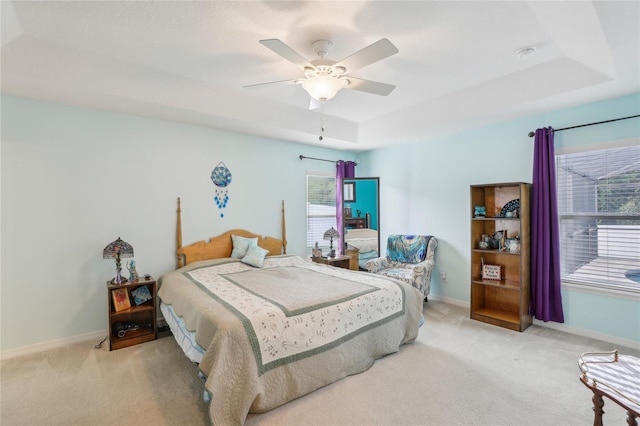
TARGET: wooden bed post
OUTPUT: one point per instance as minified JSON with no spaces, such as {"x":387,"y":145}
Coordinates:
{"x":284,"y":232}
{"x":179,"y":236}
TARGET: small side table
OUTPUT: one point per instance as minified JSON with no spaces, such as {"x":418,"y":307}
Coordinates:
{"x":615,"y":376}
{"x":339,"y":261}
{"x":132,"y":312}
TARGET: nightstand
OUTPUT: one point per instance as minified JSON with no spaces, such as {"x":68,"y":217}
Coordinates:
{"x":339,"y":261}
{"x":353,"y":253}
{"x":132,"y":312}
{"x":355,"y":222}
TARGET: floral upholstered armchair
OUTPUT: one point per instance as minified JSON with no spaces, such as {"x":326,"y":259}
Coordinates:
{"x":409,"y":258}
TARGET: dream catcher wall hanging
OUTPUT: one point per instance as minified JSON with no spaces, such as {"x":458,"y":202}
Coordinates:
{"x":221,"y":178}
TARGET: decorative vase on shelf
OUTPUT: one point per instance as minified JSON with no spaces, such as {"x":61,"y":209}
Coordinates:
{"x":479,"y":211}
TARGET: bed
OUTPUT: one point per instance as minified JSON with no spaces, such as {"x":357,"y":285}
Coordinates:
{"x":265,"y":335}
{"x":366,"y":241}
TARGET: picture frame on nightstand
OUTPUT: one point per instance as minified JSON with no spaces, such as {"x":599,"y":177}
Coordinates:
{"x":120,"y":299}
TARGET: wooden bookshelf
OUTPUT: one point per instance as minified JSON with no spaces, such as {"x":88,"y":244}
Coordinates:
{"x":503,"y":302}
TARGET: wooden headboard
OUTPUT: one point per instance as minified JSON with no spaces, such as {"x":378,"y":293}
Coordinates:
{"x":222,"y":245}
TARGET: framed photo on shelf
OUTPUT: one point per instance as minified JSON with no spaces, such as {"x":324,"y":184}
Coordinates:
{"x":491,"y":272}
{"x":120,"y":299}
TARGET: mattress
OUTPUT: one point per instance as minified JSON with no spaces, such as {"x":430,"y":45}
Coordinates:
{"x":186,"y":339}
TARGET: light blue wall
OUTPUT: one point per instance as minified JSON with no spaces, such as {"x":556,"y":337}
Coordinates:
{"x":424,"y":188}
{"x":75,"y":179}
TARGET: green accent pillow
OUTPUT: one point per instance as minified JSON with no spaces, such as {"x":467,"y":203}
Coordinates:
{"x":255,"y":256}
{"x":241,"y":245}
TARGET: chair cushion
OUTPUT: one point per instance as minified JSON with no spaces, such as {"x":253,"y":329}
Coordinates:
{"x":407,"y":248}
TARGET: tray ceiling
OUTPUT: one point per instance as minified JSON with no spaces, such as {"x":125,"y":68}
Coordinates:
{"x":188,"y":62}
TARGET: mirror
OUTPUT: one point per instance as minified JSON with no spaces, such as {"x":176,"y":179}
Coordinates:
{"x":361,"y":217}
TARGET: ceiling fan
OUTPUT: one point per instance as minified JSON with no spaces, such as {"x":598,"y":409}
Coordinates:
{"x":323,"y":78}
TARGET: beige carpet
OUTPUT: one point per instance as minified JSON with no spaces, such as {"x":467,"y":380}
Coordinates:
{"x":458,"y":372}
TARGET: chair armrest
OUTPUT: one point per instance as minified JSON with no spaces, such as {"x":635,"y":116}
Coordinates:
{"x":427,"y":264}
{"x":422,"y":275}
{"x":377,"y":264}
{"x":422,"y":272}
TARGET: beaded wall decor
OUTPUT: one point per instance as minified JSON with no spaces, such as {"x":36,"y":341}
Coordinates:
{"x":221,"y":178}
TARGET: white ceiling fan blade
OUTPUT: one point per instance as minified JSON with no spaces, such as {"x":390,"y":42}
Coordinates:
{"x":375,"y":52}
{"x":286,"y":52}
{"x":295,"y":81}
{"x":375,"y":87}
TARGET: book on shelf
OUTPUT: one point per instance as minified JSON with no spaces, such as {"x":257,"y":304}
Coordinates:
{"x":141,"y":295}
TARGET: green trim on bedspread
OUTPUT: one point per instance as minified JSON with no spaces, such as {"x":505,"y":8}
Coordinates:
{"x":292,"y":309}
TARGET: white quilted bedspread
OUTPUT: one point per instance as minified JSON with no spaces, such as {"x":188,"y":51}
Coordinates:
{"x":279,"y":332}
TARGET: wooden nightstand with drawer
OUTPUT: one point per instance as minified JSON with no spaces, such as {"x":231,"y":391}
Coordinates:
{"x":339,"y":261}
{"x":355,"y":222}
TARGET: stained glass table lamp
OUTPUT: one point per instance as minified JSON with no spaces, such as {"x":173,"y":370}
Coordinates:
{"x":330,"y":234}
{"x":117,"y":250}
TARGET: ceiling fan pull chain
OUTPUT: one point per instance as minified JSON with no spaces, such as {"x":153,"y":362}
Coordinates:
{"x":321,"y":123}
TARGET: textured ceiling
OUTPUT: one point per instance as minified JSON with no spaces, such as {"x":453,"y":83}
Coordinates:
{"x":189,"y":61}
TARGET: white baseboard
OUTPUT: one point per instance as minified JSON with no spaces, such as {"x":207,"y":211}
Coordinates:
{"x":52,"y":344}
{"x":557,"y":326}
{"x":98,"y":335}
{"x":450,"y":301}
{"x":589,"y":333}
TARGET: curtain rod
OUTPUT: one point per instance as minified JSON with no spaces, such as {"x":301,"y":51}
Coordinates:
{"x":532,"y":134}
{"x":302,"y":157}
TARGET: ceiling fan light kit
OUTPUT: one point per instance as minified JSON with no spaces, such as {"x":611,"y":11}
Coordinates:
{"x":324,"y":78}
{"x":323,"y":86}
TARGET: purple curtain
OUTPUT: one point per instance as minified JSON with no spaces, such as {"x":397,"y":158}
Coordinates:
{"x":344,"y":169}
{"x":546,"y":299}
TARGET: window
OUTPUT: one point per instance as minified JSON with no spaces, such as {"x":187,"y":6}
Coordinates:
{"x":599,"y":215}
{"x":321,"y":208}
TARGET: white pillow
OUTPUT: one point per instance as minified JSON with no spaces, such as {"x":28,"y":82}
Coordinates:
{"x":241,"y":245}
{"x":255,"y":256}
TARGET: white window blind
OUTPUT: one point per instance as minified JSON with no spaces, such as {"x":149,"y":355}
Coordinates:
{"x":599,"y":214}
{"x":321,"y":208}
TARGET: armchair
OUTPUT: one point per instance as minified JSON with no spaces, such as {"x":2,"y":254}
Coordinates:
{"x":409,"y":258}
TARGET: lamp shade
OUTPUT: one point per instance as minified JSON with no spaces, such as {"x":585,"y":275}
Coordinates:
{"x":117,"y":248}
{"x":331,"y":233}
{"x":323,"y":87}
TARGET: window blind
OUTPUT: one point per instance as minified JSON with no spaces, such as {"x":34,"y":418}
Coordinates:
{"x":321,"y":208}
{"x":599,"y":215}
